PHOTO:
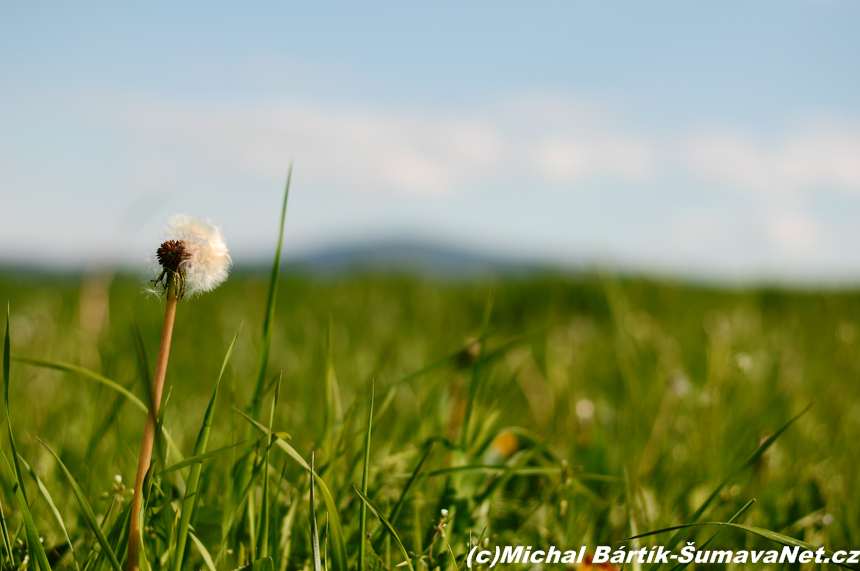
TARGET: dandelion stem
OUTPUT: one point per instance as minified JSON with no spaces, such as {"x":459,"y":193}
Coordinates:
{"x":134,"y":536}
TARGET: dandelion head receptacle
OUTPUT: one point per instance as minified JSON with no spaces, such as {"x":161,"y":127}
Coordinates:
{"x":194,"y":254}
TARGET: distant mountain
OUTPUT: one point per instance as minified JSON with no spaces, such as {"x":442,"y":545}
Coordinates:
{"x":407,"y":256}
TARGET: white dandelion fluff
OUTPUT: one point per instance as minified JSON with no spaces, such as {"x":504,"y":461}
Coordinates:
{"x":195,"y":253}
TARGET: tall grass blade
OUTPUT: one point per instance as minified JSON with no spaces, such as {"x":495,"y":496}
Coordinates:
{"x":286,"y":540}
{"x":244,"y":496}
{"x":337,"y":542}
{"x":7,"y":543}
{"x":74,"y":369}
{"x":34,"y":546}
{"x":453,"y":557}
{"x":204,"y":553}
{"x":68,"y":368}
{"x":46,"y":495}
{"x":88,"y":512}
{"x":315,"y":536}
{"x":378,"y":513}
{"x":117,"y":537}
{"x":257,"y":399}
{"x":6,"y":540}
{"x":363,"y":515}
{"x":191,"y":488}
{"x":474,"y":385}
{"x":268,"y":321}
{"x":264,"y":506}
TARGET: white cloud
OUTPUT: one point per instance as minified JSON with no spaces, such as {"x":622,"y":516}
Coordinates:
{"x":416,"y":153}
{"x":809,"y":158}
{"x":793,"y":231}
{"x":537,"y":141}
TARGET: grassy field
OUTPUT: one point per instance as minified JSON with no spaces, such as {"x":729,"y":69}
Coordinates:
{"x":536,"y":411}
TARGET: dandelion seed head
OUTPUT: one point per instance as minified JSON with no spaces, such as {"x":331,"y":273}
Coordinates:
{"x":193,"y":249}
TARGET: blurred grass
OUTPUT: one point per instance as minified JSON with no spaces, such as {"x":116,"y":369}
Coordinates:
{"x":595,"y":406}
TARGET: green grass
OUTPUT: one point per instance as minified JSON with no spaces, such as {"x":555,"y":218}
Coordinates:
{"x":623,"y":405}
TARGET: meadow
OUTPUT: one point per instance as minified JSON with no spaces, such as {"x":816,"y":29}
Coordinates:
{"x":537,"y":410}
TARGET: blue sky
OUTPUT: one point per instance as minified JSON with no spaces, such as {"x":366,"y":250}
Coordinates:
{"x":717,"y":139}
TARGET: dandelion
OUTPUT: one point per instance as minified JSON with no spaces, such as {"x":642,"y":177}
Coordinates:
{"x":193,"y":259}
{"x":194,"y":254}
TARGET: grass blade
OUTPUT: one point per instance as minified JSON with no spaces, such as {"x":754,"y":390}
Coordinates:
{"x":34,"y":546}
{"x":88,"y":512}
{"x":337,"y":542}
{"x":6,"y":541}
{"x":257,"y":400}
{"x":68,"y":368}
{"x":453,"y":557}
{"x":378,"y":513}
{"x":315,"y":536}
{"x":268,"y":321}
{"x":191,"y":489}
{"x":243,"y":497}
{"x":783,"y":540}
{"x":363,"y":515}
{"x":264,"y":507}
{"x":117,"y":537}
{"x":204,"y":553}
{"x":474,"y":385}
{"x":46,"y":495}
{"x":765,"y":533}
{"x":74,"y":369}
{"x":740,"y":512}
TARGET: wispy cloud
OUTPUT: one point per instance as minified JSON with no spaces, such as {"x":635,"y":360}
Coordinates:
{"x":421,"y":153}
{"x":809,"y":157}
{"x":531,"y":140}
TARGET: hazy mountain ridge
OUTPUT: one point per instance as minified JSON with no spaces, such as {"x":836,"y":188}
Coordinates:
{"x":410,"y":257}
